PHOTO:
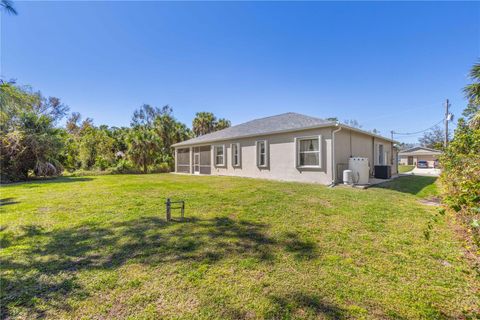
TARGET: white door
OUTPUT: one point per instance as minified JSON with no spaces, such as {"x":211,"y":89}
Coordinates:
{"x":196,"y":163}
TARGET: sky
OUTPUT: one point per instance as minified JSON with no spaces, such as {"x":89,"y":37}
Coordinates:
{"x":388,"y":65}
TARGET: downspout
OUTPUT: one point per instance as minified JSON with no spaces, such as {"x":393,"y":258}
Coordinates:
{"x":334,"y":167}
{"x":372,"y":169}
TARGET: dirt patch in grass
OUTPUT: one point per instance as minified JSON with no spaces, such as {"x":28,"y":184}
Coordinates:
{"x":432,"y":201}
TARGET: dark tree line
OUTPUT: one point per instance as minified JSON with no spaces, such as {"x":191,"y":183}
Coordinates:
{"x":33,"y":144}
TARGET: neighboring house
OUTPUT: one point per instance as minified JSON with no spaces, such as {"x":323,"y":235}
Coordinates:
{"x":413,"y":155}
{"x":288,"y":146}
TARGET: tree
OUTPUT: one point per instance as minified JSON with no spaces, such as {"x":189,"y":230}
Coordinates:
{"x":29,"y":142}
{"x":73,"y":123}
{"x":70,"y":155}
{"x":203,"y":123}
{"x":353,"y":123}
{"x":8,"y":7}
{"x":206,"y":122}
{"x":332,"y":119}
{"x":433,"y":138}
{"x":146,"y":115}
{"x":77,"y":127}
{"x":461,"y":174}
{"x":143,"y":147}
{"x":119,"y":136}
{"x":169,"y":131}
{"x":472,"y":93}
{"x":222,"y":124}
{"x":150,"y":139}
{"x":460,"y":178}
{"x":182,"y":132}
{"x":80,"y":143}
{"x":405,"y":145}
{"x":96,"y":149}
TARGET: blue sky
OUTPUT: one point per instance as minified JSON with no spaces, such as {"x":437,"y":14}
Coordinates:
{"x":388,"y":65}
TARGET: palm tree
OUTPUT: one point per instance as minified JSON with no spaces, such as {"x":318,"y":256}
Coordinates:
{"x":7,"y":5}
{"x":472,"y":93}
{"x":143,"y":147}
{"x":203,"y":123}
{"x":222,"y":124}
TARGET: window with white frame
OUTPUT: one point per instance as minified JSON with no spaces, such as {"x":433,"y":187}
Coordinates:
{"x":219,"y":152}
{"x":308,"y":152}
{"x":262,"y":153}
{"x":236,"y":154}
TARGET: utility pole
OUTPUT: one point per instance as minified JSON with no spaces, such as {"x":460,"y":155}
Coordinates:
{"x":447,"y":117}
{"x":391,"y":132}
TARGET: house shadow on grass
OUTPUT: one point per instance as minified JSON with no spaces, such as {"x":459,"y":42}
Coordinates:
{"x":44,"y":275}
{"x":408,"y":184}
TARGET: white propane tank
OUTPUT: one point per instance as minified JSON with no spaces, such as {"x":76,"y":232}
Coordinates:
{"x":360,"y":169}
{"x":348,"y":177}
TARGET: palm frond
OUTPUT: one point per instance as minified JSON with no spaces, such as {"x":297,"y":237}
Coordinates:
{"x":7,"y":5}
{"x":475,"y":72}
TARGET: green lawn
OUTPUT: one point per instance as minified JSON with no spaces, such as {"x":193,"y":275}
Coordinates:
{"x":99,"y":247}
{"x":421,"y":186}
{"x":405,"y":168}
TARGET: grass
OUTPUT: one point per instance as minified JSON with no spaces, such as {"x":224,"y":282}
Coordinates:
{"x":405,"y":168}
{"x":99,"y":247}
{"x":420,"y":186}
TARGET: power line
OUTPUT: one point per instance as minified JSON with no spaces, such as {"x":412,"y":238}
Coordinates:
{"x":412,"y":133}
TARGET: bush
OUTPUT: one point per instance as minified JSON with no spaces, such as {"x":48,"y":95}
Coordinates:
{"x":163,"y":167}
{"x":124,"y":166}
{"x":460,"y":179}
{"x":101,"y":163}
{"x":30,"y":143}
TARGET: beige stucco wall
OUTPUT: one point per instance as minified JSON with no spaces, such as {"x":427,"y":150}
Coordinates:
{"x":350,"y":143}
{"x":282,"y":155}
{"x":281,"y":162}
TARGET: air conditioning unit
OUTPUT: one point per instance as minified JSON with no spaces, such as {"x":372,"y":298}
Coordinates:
{"x":383,"y":172}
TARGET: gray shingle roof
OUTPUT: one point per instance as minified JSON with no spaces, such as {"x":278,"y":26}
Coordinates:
{"x":283,"y":122}
{"x":420,"y":151}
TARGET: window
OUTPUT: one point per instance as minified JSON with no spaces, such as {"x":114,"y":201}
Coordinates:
{"x":308,"y":152}
{"x":219,"y":152}
{"x":236,"y":154}
{"x":381,"y":155}
{"x":262,"y":153}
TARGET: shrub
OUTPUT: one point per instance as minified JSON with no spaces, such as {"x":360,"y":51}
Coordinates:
{"x":101,"y":163}
{"x":124,"y":166}
{"x":163,"y":167}
{"x":460,"y":178}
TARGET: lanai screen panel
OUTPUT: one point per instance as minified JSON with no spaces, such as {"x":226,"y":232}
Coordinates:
{"x":205,"y":162}
{"x":183,"y":160}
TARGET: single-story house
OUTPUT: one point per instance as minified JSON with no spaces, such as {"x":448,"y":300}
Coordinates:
{"x":413,"y":155}
{"x":289,"y":146}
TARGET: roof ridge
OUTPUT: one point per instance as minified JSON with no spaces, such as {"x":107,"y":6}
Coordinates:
{"x":287,"y":121}
{"x":275,"y":115}
{"x":420,"y":147}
